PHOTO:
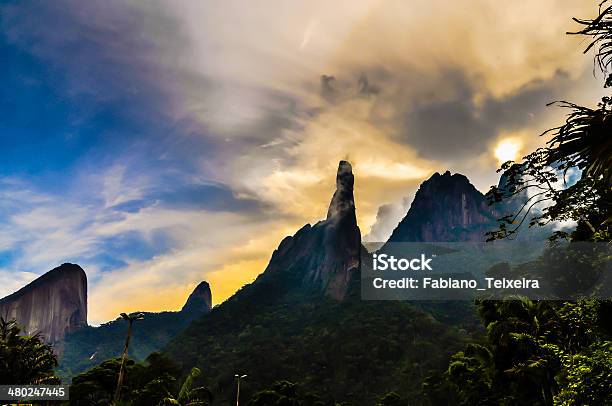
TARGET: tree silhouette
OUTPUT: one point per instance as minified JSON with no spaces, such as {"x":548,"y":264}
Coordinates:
{"x":582,"y":147}
{"x":24,"y":359}
{"x":131,"y":318}
{"x":600,"y":29}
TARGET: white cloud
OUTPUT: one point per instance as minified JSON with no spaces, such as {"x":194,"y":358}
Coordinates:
{"x":44,"y":231}
{"x":11,"y":281}
{"x":115,"y":190}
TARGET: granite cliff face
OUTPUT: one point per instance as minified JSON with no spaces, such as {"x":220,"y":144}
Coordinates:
{"x":328,"y":252}
{"x":446,"y":208}
{"x":53,"y":305}
{"x":200,"y":300}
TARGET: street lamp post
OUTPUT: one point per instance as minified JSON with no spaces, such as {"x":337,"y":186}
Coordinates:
{"x":130,"y":318}
{"x":238,"y":377}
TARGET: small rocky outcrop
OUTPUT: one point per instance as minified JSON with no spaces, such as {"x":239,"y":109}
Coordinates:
{"x":200,"y":300}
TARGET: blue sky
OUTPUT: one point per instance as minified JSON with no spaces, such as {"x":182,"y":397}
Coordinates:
{"x":86,"y":140}
{"x":159,"y":143}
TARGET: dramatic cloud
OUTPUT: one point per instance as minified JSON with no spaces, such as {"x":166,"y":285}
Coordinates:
{"x":402,"y":89}
{"x":160,"y":143}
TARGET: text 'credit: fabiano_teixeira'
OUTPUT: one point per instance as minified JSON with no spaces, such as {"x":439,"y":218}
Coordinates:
{"x":385,"y":262}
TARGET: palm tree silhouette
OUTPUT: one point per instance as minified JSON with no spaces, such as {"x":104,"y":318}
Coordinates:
{"x":130,"y":318}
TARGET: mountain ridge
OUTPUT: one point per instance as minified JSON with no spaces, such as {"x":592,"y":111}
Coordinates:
{"x":303,"y":319}
{"x":446,"y":208}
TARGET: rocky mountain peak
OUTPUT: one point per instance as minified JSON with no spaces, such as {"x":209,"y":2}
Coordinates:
{"x":327,"y":253}
{"x":200,"y":300}
{"x":447,"y":182}
{"x":342,"y":201}
{"x":53,"y":305}
{"x":446,"y":207}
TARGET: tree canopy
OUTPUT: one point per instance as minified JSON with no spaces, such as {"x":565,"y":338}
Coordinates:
{"x":24,"y":359}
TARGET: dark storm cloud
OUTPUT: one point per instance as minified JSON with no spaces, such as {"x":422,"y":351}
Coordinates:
{"x":328,"y":92}
{"x":364,"y":87}
{"x":454,"y":124}
{"x":454,"y":121}
{"x":209,"y":197}
{"x":459,"y":126}
{"x":334,"y":91}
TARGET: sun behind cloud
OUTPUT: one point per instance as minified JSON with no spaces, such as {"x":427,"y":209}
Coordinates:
{"x":507,"y":150}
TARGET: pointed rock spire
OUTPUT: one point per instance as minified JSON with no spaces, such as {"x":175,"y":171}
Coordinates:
{"x":343,"y":201}
{"x":327,"y":253}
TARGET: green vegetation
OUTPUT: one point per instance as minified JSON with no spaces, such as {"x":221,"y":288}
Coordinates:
{"x":24,"y":359}
{"x":274,"y":330}
{"x":86,"y":347}
{"x":538,"y":352}
{"x":350,"y":351}
{"x":153,"y":382}
{"x":285,"y":393}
